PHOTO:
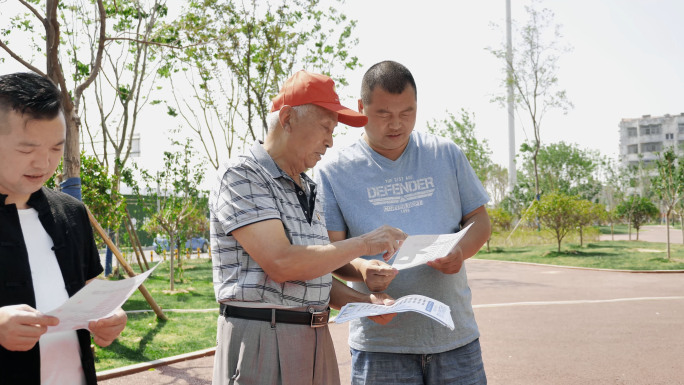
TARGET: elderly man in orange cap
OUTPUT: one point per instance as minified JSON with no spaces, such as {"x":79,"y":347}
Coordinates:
{"x":271,"y":254}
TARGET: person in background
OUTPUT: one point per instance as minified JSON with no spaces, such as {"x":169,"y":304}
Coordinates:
{"x":47,"y":249}
{"x":424,"y":185}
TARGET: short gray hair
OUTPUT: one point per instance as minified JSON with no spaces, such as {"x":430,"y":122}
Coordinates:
{"x":272,"y":117}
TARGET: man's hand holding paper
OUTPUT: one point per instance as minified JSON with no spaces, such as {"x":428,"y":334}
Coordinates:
{"x":386,"y":300}
{"x":450,"y":263}
{"x":105,"y":330}
{"x":98,"y":305}
{"x":377,"y":275}
{"x":440,"y":251}
{"x":426,"y":306}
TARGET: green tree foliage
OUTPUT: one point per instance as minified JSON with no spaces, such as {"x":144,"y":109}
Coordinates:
{"x":139,"y":37}
{"x":242,"y":53}
{"x":569,"y":169}
{"x":462,"y":132}
{"x":180,"y":207}
{"x":616,"y":181}
{"x":534,"y":74}
{"x":496,"y":184}
{"x":99,"y":194}
{"x":679,"y":210}
{"x":106,"y":204}
{"x":612,"y":216}
{"x":587,"y":213}
{"x":556,"y":212}
{"x":563,"y":168}
{"x":501,"y":219}
{"x":637,"y":211}
{"x":668,"y":184}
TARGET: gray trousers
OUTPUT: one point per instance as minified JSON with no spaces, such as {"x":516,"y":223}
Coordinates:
{"x":251,"y":352}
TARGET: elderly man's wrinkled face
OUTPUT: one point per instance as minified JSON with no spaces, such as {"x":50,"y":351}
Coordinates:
{"x":30,"y":150}
{"x":312,"y":132}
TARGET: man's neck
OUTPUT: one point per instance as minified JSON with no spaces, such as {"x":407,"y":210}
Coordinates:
{"x":21,"y":201}
{"x":392,"y":154}
{"x":278,"y":152}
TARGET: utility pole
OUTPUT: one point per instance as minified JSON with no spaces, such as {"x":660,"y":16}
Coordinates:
{"x":511,"y":102}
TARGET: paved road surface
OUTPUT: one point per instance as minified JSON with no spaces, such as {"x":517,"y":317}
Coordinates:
{"x":648,"y":234}
{"x":545,"y":325}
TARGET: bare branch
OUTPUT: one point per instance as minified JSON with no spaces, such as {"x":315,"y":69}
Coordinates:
{"x":33,"y":10}
{"x":20,"y":60}
{"x":147,"y":42}
{"x":100,"y":49}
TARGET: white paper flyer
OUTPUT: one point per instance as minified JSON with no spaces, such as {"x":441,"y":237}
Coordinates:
{"x":418,"y":303}
{"x":98,"y":299}
{"x":419,"y":249}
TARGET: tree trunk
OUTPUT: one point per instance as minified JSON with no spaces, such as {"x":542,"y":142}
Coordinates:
{"x":72,"y":159}
{"x":134,"y":245}
{"x":667,"y":227}
{"x":135,"y":240}
{"x":172,"y":249}
{"x":612,"y":234}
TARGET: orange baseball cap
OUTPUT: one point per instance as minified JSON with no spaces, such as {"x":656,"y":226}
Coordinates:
{"x":309,"y":88}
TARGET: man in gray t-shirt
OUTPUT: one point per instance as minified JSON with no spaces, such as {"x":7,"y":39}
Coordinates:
{"x":424,"y":185}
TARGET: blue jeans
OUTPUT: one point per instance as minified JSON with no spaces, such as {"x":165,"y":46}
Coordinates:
{"x":460,"y":366}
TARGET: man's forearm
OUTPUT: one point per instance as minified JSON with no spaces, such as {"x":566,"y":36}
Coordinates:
{"x":477,"y":235}
{"x":341,"y":294}
{"x":351,"y":271}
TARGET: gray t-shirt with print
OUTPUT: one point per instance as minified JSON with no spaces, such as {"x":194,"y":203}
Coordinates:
{"x":427,"y":190}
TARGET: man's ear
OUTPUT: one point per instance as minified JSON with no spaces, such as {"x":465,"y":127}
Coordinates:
{"x":285,"y":117}
{"x":360,"y":106}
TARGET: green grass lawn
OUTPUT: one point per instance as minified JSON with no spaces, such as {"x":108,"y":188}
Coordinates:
{"x":146,"y":338}
{"x":620,"y":255}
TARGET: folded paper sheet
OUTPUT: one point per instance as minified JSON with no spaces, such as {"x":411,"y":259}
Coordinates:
{"x":418,"y":303}
{"x":98,"y":299}
{"x":419,"y":249}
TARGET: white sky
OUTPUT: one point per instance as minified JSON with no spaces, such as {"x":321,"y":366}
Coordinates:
{"x":627,"y":61}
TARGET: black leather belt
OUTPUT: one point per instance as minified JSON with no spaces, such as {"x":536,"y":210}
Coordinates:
{"x":312,"y":318}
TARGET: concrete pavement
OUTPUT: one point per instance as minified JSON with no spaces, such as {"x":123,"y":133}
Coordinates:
{"x":648,"y":234}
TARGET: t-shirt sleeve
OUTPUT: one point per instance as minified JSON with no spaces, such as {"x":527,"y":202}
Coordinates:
{"x":243,"y":197}
{"x":334,"y":221}
{"x":473,"y":194}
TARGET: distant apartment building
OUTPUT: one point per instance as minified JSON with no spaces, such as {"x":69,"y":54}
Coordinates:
{"x":642,"y":138}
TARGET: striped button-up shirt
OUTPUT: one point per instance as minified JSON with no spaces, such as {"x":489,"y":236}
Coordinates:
{"x":249,"y":189}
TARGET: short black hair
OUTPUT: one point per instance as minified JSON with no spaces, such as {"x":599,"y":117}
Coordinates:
{"x":391,"y":76}
{"x":30,"y":94}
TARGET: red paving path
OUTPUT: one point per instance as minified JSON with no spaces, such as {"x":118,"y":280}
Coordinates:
{"x":545,"y":325}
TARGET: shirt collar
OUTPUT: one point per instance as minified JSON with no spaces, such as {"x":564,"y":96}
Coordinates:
{"x":264,"y":159}
{"x":36,"y":200}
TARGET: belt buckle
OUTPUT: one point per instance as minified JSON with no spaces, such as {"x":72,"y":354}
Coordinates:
{"x":319,"y":318}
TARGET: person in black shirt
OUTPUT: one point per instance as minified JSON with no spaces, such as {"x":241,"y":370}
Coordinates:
{"x":47,"y":249}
